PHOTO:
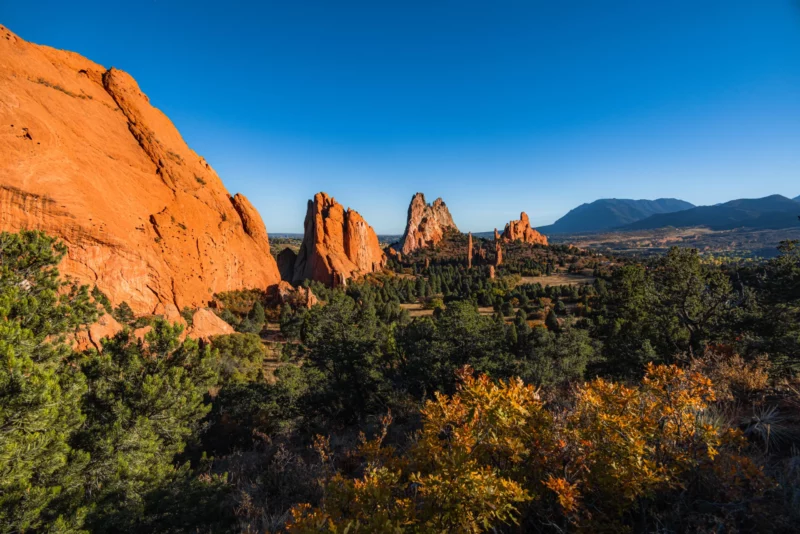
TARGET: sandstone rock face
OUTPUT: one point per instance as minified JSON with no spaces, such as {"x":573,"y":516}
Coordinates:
{"x":469,"y":251}
{"x":105,"y":327}
{"x":307,"y":298}
{"x":393,"y":253}
{"x":140,"y":333}
{"x":285,"y":293}
{"x":426,"y":224}
{"x":85,"y":157}
{"x":206,"y":324}
{"x":171,"y":314}
{"x":282,"y":293}
{"x":521,"y":230}
{"x":337,"y":245}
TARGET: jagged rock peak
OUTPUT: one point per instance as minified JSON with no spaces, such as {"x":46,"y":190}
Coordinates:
{"x":520,"y":230}
{"x":85,"y":157}
{"x":426,"y":223}
{"x":338,"y":244}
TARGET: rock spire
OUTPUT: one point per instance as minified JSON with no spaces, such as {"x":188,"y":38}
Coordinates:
{"x":338,"y":244}
{"x":426,"y":224}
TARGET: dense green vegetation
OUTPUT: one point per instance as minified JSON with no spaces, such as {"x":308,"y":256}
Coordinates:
{"x":397,"y":405}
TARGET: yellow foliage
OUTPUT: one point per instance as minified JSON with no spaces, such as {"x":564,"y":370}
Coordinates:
{"x":733,"y":377}
{"x":450,"y":480}
{"x":494,"y":447}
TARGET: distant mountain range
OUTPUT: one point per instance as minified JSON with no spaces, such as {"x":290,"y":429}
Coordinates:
{"x":769,"y":213}
{"x":610,"y":213}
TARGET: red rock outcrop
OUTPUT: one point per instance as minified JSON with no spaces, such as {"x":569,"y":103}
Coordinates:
{"x":140,"y":333}
{"x":306,"y":297}
{"x":84,"y":156}
{"x":393,"y":253}
{"x":281,"y":293}
{"x":171,"y":314}
{"x":521,"y":230}
{"x":105,"y":327}
{"x":469,"y":251}
{"x":426,"y":224}
{"x":337,"y":245}
{"x":285,"y":293}
{"x":206,"y":324}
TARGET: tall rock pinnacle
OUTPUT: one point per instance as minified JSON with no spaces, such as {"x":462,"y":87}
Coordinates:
{"x":469,"y":251}
{"x":521,"y":230}
{"x":337,"y":245}
{"x":426,"y":223}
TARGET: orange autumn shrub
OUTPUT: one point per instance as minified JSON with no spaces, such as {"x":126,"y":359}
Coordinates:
{"x":627,"y":443}
{"x":734,"y":377}
{"x":459,"y":475}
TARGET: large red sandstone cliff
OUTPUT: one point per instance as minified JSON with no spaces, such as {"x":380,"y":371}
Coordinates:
{"x":84,"y":156}
{"x":426,"y":223}
{"x":521,"y":230}
{"x":338,"y":244}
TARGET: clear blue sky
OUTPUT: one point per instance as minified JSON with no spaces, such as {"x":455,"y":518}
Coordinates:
{"x":496,"y":106}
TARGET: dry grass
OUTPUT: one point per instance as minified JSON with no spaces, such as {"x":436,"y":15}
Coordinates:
{"x":57,"y":87}
{"x":558,"y":279}
{"x":416,"y":310}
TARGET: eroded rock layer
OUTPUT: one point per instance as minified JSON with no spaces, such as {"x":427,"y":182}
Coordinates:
{"x":85,"y":157}
{"x":338,"y":244}
{"x":426,"y":224}
{"x":521,"y":230}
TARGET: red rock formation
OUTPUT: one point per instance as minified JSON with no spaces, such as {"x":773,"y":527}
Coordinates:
{"x":140,"y":333}
{"x":105,"y":327}
{"x":426,"y":223}
{"x":306,"y":297}
{"x":285,"y":293}
{"x":469,"y":251}
{"x":171,"y":314}
{"x":282,"y":293}
{"x":491,"y":272}
{"x":393,"y":253}
{"x":337,"y":245}
{"x":206,"y":324}
{"x":521,"y":231}
{"x":85,"y":157}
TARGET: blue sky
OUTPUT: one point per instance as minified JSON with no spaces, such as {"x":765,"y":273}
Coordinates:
{"x":497,"y":106}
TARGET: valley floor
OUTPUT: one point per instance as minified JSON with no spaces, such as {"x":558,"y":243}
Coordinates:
{"x":741,"y":242}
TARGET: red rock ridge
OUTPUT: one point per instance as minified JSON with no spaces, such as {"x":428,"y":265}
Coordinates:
{"x":337,"y":245}
{"x":85,"y":157}
{"x":521,"y":231}
{"x":426,"y":224}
